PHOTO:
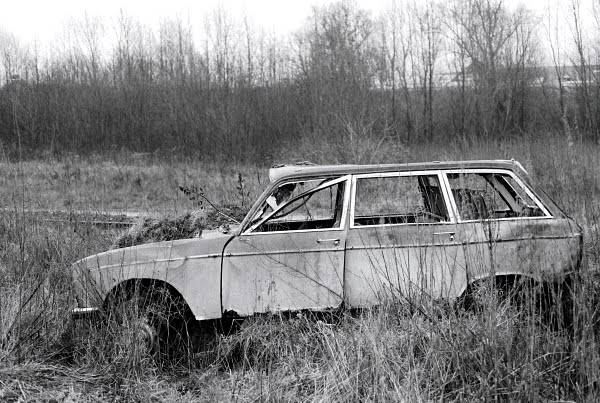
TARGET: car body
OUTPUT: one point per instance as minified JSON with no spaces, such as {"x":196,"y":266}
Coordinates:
{"x":325,"y":237}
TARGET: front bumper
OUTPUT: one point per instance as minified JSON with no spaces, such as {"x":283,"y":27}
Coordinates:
{"x":85,"y":313}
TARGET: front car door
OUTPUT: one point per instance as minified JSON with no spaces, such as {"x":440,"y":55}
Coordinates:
{"x":401,"y":239}
{"x":290,"y":255}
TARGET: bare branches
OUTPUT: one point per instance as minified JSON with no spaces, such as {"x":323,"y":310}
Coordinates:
{"x":419,"y":71}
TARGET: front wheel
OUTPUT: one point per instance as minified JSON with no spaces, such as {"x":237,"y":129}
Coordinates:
{"x":150,"y":320}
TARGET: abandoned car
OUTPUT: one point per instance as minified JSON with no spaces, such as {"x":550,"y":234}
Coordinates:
{"x":324,"y":237}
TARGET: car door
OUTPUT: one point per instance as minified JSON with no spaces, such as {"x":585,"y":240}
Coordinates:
{"x":291,"y":255}
{"x":505,"y":229}
{"x":401,"y":239}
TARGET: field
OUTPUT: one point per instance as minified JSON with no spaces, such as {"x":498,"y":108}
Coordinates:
{"x":394,"y":353}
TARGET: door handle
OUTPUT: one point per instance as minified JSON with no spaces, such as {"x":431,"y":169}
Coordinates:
{"x":450,"y":233}
{"x":335,"y":241}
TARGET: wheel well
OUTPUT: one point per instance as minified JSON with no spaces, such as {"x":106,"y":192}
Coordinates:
{"x":129,"y":286}
{"x":504,"y":282}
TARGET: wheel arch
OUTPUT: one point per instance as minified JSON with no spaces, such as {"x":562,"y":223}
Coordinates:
{"x":502,"y":279}
{"x":146,"y":283}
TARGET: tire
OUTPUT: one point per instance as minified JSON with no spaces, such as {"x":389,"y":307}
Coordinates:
{"x":150,"y":320}
{"x":559,"y":313}
{"x":521,"y":294}
{"x":567,"y":290}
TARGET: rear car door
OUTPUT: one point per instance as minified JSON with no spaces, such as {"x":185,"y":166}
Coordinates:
{"x":401,"y":239}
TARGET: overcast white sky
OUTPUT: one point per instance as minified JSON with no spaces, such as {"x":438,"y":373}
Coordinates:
{"x":44,"y":19}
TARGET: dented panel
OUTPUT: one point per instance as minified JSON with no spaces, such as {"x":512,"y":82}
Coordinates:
{"x":194,"y":274}
{"x":403,"y":262}
{"x":543,"y":249}
{"x":274,"y":272}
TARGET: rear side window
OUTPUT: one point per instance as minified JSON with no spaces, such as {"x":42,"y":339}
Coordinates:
{"x":399,"y":200}
{"x":484,"y":195}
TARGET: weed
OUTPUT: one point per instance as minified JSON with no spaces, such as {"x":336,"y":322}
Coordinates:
{"x":388,"y":354}
{"x":169,"y":228}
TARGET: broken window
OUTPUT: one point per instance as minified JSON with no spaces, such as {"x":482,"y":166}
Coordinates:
{"x":302,"y":205}
{"x":399,"y":200}
{"x":491,"y":195}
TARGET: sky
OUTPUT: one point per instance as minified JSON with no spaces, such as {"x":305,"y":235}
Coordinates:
{"x":44,"y":20}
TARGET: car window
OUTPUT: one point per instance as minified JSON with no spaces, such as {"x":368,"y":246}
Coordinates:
{"x":302,"y":205}
{"x":399,"y":200}
{"x":491,"y":196}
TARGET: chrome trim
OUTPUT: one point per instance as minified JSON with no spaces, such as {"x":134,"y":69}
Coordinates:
{"x":282,"y":252}
{"x":513,"y":175}
{"x":415,"y":225}
{"x":345,"y":178}
{"x":493,"y":241}
{"x":299,"y":231}
{"x":81,"y":313}
{"x":85,"y":310}
{"x":449,"y":197}
{"x":400,"y":246}
{"x":506,"y":219}
{"x":438,"y":173}
{"x":154,"y":261}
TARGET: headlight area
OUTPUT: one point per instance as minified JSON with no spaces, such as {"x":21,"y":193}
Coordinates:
{"x":85,"y":303}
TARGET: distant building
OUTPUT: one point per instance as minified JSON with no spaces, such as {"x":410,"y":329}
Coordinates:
{"x":536,"y":76}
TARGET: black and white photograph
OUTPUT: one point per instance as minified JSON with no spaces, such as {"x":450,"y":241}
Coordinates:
{"x":300,"y":201}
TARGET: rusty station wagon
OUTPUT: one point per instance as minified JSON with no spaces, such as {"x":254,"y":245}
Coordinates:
{"x":325,"y":237}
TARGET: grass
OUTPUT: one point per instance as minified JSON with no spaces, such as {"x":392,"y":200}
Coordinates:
{"x":390,"y":354}
{"x":139,"y":184}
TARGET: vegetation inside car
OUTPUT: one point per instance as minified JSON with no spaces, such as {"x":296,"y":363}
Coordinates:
{"x":325,"y":237}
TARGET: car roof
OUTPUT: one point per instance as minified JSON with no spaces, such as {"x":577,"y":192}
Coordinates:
{"x":301,"y":171}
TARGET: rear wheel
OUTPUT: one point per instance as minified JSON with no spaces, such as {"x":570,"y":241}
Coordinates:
{"x":549,"y":304}
{"x":517,"y":293}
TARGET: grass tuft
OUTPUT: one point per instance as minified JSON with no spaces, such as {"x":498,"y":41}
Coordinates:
{"x":147,"y":230}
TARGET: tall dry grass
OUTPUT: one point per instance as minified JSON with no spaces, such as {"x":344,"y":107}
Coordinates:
{"x":394,"y":353}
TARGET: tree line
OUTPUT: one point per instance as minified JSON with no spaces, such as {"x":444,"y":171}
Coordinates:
{"x":419,"y":72}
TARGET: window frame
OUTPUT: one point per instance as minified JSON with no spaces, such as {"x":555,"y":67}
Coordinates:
{"x":443,"y":190}
{"x":513,"y":175}
{"x":330,"y":181}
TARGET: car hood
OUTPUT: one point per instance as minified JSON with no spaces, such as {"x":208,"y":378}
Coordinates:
{"x":211,"y":243}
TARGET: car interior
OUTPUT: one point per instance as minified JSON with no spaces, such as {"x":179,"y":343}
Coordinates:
{"x":318,"y":209}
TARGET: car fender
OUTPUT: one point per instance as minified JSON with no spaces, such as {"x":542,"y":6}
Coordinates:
{"x":182,"y":264}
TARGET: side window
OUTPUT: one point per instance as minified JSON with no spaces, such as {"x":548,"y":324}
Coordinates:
{"x":302,"y":205}
{"x":399,"y":200}
{"x":490,"y":195}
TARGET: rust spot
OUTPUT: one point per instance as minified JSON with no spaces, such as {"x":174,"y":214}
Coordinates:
{"x":391,"y":237}
{"x":230,"y":314}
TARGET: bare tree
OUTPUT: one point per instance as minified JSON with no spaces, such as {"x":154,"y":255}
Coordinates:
{"x":487,"y":33}
{"x":555,"y":35}
{"x":337,"y":62}
{"x":397,"y":43}
{"x":587,"y":110}
{"x":427,"y":32}
{"x":13,"y":58}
